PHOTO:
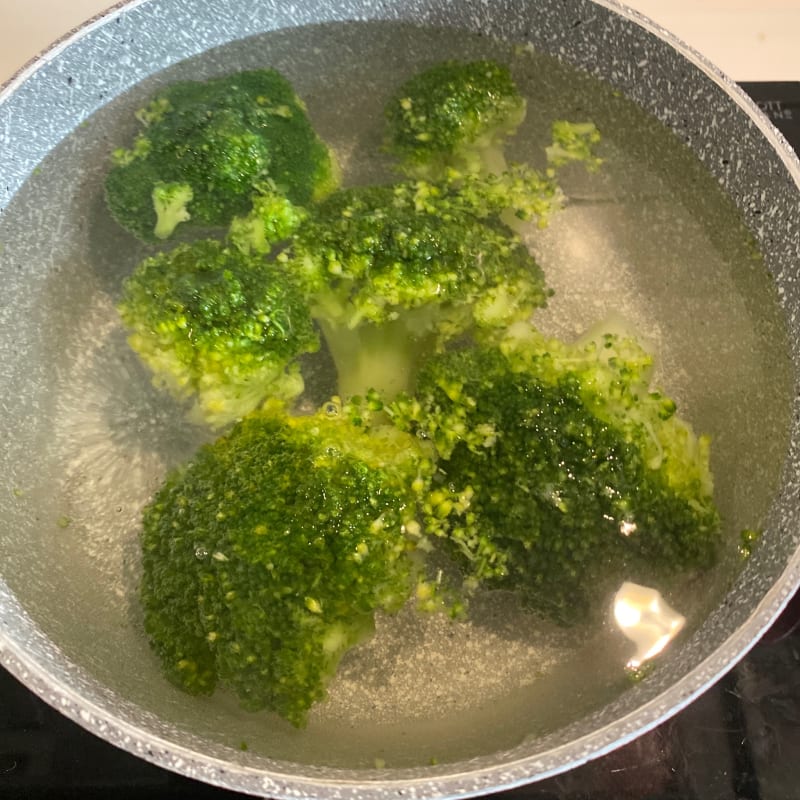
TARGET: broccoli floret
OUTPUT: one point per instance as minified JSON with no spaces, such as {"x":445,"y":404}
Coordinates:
{"x":519,"y":194}
{"x":454,"y":115}
{"x":273,"y":219}
{"x":219,"y":140}
{"x":574,"y":142}
{"x":449,"y":124}
{"x":578,"y":472}
{"x":503,"y":460}
{"x":218,"y":327}
{"x":393,"y":272}
{"x":267,"y":556}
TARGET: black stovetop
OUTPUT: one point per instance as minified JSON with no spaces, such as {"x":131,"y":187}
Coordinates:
{"x":739,"y":741}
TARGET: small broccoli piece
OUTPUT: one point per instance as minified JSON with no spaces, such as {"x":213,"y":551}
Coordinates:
{"x":221,"y":140}
{"x":218,"y":327}
{"x":748,"y":540}
{"x":267,"y":556}
{"x":393,"y":272}
{"x":454,"y":115}
{"x":520,"y":193}
{"x":273,"y":219}
{"x":578,"y":472}
{"x":574,"y":142}
{"x":169,"y":202}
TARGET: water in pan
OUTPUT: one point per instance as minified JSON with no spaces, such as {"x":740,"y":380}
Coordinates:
{"x":650,"y":238}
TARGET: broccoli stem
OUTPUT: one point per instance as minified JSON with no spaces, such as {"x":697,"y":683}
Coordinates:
{"x":493,"y":159}
{"x":380,"y":357}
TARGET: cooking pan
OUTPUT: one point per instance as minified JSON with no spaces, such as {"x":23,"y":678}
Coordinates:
{"x":693,"y":233}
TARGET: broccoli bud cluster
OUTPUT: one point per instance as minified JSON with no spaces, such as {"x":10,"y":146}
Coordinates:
{"x":462,"y":450}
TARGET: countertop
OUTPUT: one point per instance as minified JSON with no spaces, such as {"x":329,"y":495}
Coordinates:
{"x":753,"y":40}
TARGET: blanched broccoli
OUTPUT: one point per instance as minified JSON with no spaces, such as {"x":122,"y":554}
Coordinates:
{"x":574,"y":142}
{"x":389,"y":273}
{"x":170,"y":201}
{"x":208,"y":147}
{"x":454,"y":115}
{"x":218,"y":327}
{"x":273,"y":219}
{"x":463,"y":450}
{"x":577,"y":470}
{"x":268,"y":555}
{"x":450,"y":123}
{"x":394,"y":272}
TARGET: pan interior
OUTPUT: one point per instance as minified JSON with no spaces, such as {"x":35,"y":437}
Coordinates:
{"x":651,"y":239}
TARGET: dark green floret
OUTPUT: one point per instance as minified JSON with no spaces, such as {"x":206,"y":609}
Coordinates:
{"x":580,"y":474}
{"x":267,"y":556}
{"x":394,"y":272}
{"x":218,"y":327}
{"x":454,"y":115}
{"x":208,"y":147}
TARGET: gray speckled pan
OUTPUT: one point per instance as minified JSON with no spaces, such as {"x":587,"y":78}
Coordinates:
{"x":68,"y":626}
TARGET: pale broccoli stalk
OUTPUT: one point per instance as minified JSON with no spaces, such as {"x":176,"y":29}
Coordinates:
{"x":169,"y":202}
{"x":377,"y":356}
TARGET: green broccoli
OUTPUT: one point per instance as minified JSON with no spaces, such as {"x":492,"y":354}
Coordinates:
{"x":208,"y":147}
{"x":464,"y":449}
{"x":218,"y":327}
{"x":273,"y":219}
{"x":454,"y":115}
{"x":389,"y":274}
{"x":449,"y":124}
{"x":578,"y":472}
{"x":268,"y":555}
{"x":574,"y":142}
{"x":394,"y":272}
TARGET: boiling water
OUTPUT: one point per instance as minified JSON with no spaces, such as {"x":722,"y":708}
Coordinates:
{"x":649,"y":239}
